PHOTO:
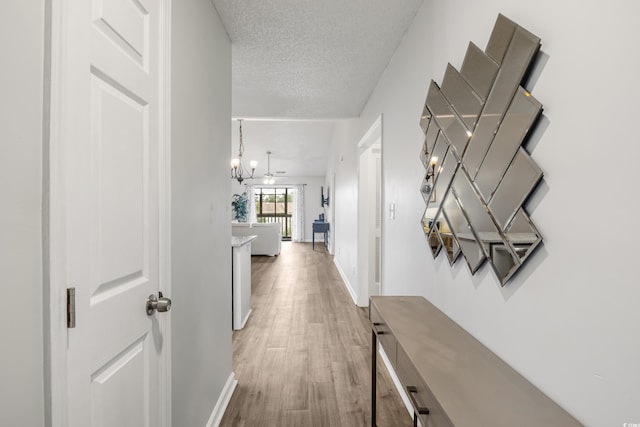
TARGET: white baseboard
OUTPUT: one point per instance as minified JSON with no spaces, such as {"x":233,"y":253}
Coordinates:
{"x":396,"y":380}
{"x":345,"y":280}
{"x":223,"y":401}
{"x":244,"y":322}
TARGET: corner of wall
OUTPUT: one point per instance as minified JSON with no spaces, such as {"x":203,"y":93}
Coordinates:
{"x":201,"y":232}
{"x":23,"y":218}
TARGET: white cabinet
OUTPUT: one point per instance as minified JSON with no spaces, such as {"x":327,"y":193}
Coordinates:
{"x":241,"y":279}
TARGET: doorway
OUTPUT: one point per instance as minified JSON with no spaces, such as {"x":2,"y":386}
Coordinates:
{"x":370,"y":214}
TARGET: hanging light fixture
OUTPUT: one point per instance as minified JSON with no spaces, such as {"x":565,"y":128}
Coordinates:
{"x":268,"y":177}
{"x":238,"y":169}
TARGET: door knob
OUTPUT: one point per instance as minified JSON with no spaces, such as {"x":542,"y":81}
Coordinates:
{"x":159,"y":303}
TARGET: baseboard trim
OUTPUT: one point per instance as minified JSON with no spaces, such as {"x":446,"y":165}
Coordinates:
{"x":246,"y":318}
{"x":223,"y":401}
{"x":345,"y":280}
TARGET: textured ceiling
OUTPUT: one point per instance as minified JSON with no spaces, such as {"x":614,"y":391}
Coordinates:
{"x":310,"y":60}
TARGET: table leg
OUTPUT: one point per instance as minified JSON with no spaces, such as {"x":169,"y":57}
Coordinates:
{"x":374,"y":365}
{"x":313,"y":241}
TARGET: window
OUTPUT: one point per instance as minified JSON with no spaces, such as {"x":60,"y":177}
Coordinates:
{"x":275,"y":205}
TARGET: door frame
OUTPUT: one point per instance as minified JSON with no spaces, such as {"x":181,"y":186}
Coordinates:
{"x":54,"y":213}
{"x":366,"y":219}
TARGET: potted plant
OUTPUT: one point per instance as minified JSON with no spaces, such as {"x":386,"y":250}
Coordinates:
{"x":240,"y":207}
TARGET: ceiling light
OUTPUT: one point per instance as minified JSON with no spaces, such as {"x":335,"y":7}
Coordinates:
{"x":268,"y":177}
{"x":238,"y":169}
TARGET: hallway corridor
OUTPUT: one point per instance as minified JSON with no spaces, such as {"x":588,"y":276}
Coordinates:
{"x":303,"y":359}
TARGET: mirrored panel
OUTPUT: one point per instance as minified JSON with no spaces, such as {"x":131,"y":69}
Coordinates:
{"x":450,"y":124}
{"x":444,"y":176}
{"x":522,"y":238}
{"x":434,"y":241}
{"x":522,"y":113}
{"x":522,"y":235}
{"x":461,"y":96}
{"x":444,"y":171}
{"x":432,"y":166}
{"x":426,"y":188}
{"x":425,"y":119}
{"x":439,"y":151}
{"x":428,"y":220}
{"x":500,"y":38}
{"x":520,"y":179}
{"x":430,"y":138}
{"x":471,"y":250}
{"x":433,"y":131}
{"x":424,"y":153}
{"x":429,"y":216}
{"x":476,"y":212}
{"x":503,"y":262}
{"x":479,"y":71}
{"x":447,"y":239}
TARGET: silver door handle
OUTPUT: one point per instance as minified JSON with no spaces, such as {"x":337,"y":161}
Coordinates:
{"x":159,"y":303}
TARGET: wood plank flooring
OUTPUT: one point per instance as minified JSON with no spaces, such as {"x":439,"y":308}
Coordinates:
{"x":303,"y":359}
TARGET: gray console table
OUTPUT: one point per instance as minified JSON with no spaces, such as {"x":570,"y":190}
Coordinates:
{"x":450,"y":377}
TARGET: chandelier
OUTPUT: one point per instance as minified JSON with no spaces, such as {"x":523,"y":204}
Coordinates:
{"x":238,"y":170}
{"x":268,"y":177}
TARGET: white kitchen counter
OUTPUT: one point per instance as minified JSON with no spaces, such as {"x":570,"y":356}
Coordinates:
{"x":237,"y":241}
{"x":241,"y":279}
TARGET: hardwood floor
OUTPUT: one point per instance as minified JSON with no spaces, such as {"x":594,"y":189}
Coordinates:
{"x":303,"y":359}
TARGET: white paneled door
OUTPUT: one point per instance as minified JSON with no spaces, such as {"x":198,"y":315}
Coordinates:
{"x":111,"y":112}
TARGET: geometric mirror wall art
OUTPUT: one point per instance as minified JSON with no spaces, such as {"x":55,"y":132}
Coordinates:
{"x":478,"y":175}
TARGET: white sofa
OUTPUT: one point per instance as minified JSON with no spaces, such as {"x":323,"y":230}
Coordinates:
{"x":269,"y":235}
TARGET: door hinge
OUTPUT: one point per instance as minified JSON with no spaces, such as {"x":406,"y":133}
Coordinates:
{"x":71,"y":307}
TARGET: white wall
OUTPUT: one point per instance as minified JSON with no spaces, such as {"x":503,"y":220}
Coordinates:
{"x":569,"y":321}
{"x":22,"y":35}
{"x":343,"y":162}
{"x":201,"y":237}
{"x":312,"y":207}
